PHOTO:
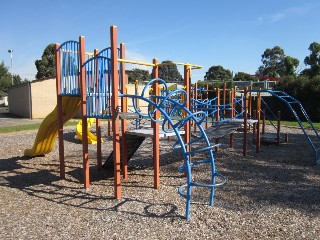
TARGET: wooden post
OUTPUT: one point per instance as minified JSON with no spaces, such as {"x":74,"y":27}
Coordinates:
{"x":224,"y":99}
{"x":263,"y":121}
{"x":156,"y":130}
{"x":59,"y":109}
{"x":195,"y":104}
{"x":254,"y":116}
{"x":258,"y":124}
{"x":231,"y":140}
{"x":86,"y":165}
{"x":278,"y":127}
{"x":187,"y":83}
{"x":231,"y":104}
{"x":114,"y":109}
{"x":245,"y":122}
{"x":250,"y":102}
{"x":123,"y":109}
{"x":207,"y":98}
{"x":218,"y":104}
{"x":98,"y":124}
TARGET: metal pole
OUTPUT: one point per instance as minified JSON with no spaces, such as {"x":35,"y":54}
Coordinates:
{"x":11,"y":53}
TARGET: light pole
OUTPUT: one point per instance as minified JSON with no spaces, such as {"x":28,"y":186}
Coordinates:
{"x":11,"y":55}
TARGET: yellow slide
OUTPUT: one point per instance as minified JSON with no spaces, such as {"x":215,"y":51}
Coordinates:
{"x":92,"y":139}
{"x":48,"y":130}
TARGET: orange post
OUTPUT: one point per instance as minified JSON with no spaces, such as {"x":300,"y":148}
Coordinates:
{"x":224,"y":98}
{"x":245,"y":122}
{"x":250,"y":102}
{"x":278,"y":127}
{"x":98,"y":126}
{"x":254,"y":116}
{"x":123,"y":109}
{"x":207,"y":98}
{"x":218,"y":104}
{"x":259,"y":120}
{"x":59,"y":109}
{"x":187,"y":80}
{"x":195,"y":97}
{"x":114,"y":109}
{"x":85,"y":156}
{"x":156,"y":130}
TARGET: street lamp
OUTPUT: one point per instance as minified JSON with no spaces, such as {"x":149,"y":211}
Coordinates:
{"x":11,"y":53}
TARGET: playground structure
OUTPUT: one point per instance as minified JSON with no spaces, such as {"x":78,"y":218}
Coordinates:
{"x":95,"y":83}
{"x":226,"y":113}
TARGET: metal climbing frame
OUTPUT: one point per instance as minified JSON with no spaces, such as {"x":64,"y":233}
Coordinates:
{"x":300,"y":115}
{"x":200,"y":145}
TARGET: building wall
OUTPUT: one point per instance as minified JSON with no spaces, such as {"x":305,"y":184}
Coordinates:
{"x":44,"y":97}
{"x":142,"y":104}
{"x":38,"y":98}
{"x":19,"y":100}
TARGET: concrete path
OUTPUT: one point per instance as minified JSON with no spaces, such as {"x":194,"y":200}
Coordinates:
{"x":8,"y":120}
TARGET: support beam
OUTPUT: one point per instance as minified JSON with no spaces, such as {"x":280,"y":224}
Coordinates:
{"x":59,"y":109}
{"x":156,"y":130}
{"x":86,"y":165}
{"x":114,"y":111}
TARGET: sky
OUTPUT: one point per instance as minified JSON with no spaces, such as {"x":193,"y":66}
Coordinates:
{"x":230,"y":33}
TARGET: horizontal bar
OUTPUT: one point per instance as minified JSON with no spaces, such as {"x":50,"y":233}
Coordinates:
{"x":160,"y":64}
{"x":135,"y":62}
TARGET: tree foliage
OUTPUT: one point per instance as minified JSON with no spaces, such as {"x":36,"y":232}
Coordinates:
{"x":313,"y":60}
{"x":46,"y":66}
{"x":138,"y":74}
{"x":241,"y":76}
{"x":6,"y":79}
{"x":218,"y":73}
{"x":276,"y":64}
{"x":168,"y":71}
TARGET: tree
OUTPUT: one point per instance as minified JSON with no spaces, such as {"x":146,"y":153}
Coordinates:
{"x":218,"y":73}
{"x":241,"y":76}
{"x":138,"y":74}
{"x":168,"y":71}
{"x":46,"y":66}
{"x":290,"y":66}
{"x":5,"y":80}
{"x":277,"y":64}
{"x":313,"y":60}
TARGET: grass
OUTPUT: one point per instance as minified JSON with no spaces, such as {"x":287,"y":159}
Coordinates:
{"x":295,"y":124}
{"x":33,"y":126}
{"x":74,"y":122}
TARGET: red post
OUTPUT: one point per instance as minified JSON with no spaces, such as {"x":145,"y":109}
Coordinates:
{"x":59,"y":113}
{"x":85,"y":156}
{"x":123,"y":109}
{"x":245,"y":122}
{"x":224,"y":98}
{"x":98,"y":127}
{"x":231,"y":140}
{"x":187,"y":84}
{"x":207,"y":98}
{"x":156,"y":130}
{"x":114,"y":110}
{"x":254,"y":116}
{"x":278,"y":127}
{"x":218,"y":104}
{"x":195,"y":97}
{"x":259,"y":121}
{"x":263,"y":121}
